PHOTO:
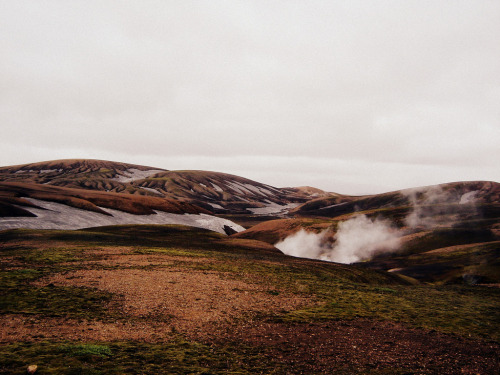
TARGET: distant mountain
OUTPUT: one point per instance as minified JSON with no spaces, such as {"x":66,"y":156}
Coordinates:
{"x":80,"y":174}
{"x":449,"y":194}
{"x":212,"y":191}
{"x":111,"y":190}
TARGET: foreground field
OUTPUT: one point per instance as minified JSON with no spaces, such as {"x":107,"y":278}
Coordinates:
{"x":172,"y":299}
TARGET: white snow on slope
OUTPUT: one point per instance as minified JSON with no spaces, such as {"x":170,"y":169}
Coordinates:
{"x":253,"y":189}
{"x":60,"y":216}
{"x":469,"y":197}
{"x":259,"y":190}
{"x":215,"y":205}
{"x":152,"y":190}
{"x":217,"y":188}
{"x":333,"y":205}
{"x":273,"y":208}
{"x":237,"y":187}
{"x":135,"y":174}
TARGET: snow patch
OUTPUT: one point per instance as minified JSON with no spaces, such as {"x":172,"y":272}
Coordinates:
{"x":333,"y":205}
{"x":272,"y":188}
{"x":469,"y":197}
{"x":235,"y":187}
{"x":259,"y":190}
{"x":153,"y":191}
{"x":133,"y":174}
{"x":217,"y":187}
{"x":60,"y":216}
{"x":215,"y":205}
{"x":273,"y":208}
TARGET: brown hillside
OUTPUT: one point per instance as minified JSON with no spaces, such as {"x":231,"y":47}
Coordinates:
{"x":12,"y":192}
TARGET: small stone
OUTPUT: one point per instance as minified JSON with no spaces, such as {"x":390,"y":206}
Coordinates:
{"x":32,"y":369}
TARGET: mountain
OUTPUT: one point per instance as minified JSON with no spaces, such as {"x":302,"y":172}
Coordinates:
{"x":215,"y":192}
{"x":81,"y":174}
{"x":73,"y":194}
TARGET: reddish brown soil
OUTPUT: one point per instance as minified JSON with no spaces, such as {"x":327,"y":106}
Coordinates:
{"x":91,"y":199}
{"x":361,"y":345}
{"x":188,"y":300}
{"x":273,"y":231}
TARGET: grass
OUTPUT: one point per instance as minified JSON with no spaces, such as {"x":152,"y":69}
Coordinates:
{"x":343,"y":292}
{"x":467,"y":311}
{"x":20,"y":297}
{"x":175,"y":357}
{"x":174,"y":252}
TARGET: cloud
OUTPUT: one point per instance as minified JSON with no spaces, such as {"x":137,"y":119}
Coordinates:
{"x":385,"y":83}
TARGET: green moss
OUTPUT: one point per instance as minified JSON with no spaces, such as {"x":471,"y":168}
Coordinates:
{"x":73,"y":302}
{"x":175,"y":357}
{"x":175,"y":252}
{"x":49,"y":256}
{"x":86,"y":350}
{"x":19,"y":296}
{"x":462,"y":310}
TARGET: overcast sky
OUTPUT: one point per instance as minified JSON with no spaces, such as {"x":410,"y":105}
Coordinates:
{"x":347,"y":96}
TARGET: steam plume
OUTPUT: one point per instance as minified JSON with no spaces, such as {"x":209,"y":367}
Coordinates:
{"x":357,"y":239}
{"x":360,"y":238}
{"x":433,"y":206}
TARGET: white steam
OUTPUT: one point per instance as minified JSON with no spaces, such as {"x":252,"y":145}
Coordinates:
{"x":304,"y":244}
{"x":433,"y":206}
{"x":469,"y":198}
{"x":361,"y":238}
{"x":357,"y":239}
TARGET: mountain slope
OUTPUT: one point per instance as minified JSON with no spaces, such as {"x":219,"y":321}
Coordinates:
{"x":224,"y":193}
{"x":79,"y":173}
{"x":432,"y":224}
{"x":215,"y":192}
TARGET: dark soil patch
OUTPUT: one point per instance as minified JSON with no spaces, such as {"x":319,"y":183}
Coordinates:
{"x":361,"y":346}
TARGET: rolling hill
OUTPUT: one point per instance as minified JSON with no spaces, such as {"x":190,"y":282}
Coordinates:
{"x":435,"y":226}
{"x":213,"y":191}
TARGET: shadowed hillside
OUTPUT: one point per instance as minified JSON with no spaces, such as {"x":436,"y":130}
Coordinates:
{"x":213,"y":191}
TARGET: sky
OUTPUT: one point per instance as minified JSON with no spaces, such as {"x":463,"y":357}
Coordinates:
{"x":354,"y":97}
